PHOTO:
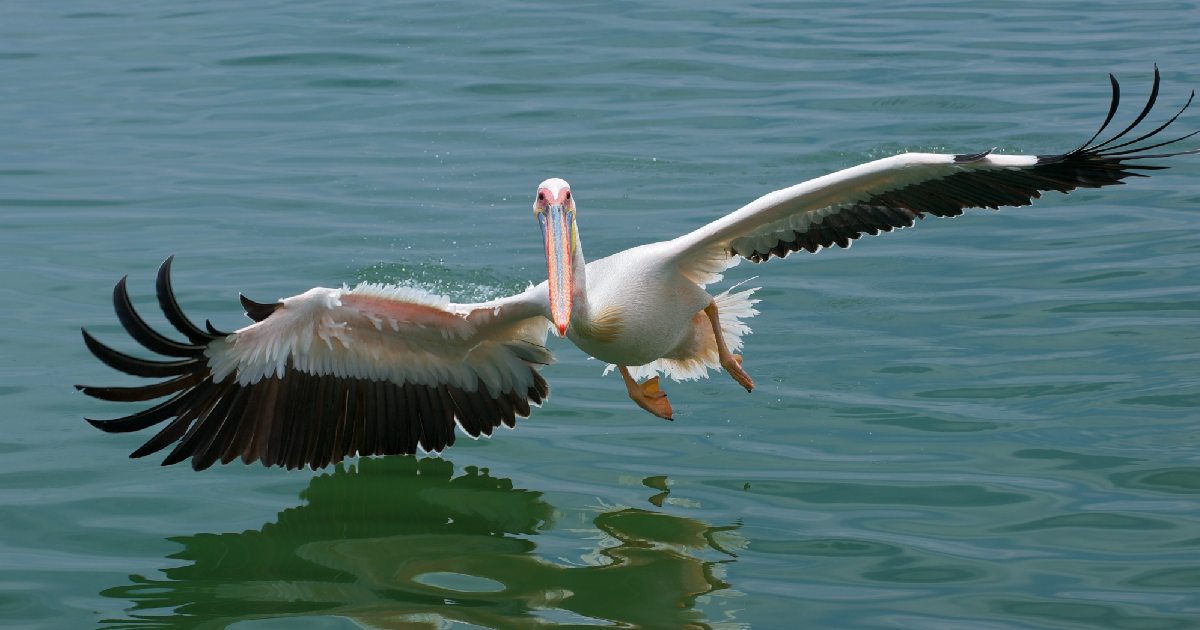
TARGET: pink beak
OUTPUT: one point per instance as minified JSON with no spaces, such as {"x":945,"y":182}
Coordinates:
{"x":556,"y":230}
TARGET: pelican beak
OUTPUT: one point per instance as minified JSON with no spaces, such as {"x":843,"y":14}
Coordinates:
{"x":558,"y":229}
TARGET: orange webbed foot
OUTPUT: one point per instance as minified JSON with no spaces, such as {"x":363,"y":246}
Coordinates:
{"x":652,"y":398}
{"x":733,"y":365}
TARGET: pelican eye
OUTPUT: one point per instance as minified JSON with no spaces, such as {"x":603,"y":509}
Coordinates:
{"x":568,"y":194}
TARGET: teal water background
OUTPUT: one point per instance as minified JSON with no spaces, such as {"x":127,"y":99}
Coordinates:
{"x":987,"y":422}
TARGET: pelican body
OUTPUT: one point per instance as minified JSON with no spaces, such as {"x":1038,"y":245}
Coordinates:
{"x":374,"y":370}
{"x":606,"y":324}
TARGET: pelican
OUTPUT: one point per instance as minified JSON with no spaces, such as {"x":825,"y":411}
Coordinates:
{"x":377,"y":370}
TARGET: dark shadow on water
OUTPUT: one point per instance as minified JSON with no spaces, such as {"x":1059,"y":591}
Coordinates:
{"x":404,"y":543}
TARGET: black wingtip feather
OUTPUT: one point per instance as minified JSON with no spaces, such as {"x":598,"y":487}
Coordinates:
{"x":146,"y":418}
{"x":145,"y":392}
{"x":1114,"y":103}
{"x":170,"y":307}
{"x":141,"y":331}
{"x":258,"y":311}
{"x":1140,"y":117}
{"x":1136,"y":153}
{"x":134,"y":366}
{"x":967,"y":158}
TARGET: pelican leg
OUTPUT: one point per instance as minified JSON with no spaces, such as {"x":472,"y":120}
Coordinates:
{"x":647,"y":394}
{"x":731,"y":362}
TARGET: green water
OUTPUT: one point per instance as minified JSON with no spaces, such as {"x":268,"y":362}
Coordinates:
{"x":987,"y":422}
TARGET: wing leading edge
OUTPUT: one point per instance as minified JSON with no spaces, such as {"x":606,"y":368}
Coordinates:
{"x":894,"y":192}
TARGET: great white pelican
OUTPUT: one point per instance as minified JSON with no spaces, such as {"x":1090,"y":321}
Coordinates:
{"x":376,"y":370}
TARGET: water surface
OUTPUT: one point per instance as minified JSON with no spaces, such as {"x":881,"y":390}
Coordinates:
{"x":987,"y":422}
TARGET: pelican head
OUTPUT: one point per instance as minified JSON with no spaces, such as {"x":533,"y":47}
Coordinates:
{"x":555,"y":212}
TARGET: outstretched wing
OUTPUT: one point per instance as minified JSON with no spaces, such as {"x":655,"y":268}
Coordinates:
{"x":328,"y":374}
{"x":894,"y":192}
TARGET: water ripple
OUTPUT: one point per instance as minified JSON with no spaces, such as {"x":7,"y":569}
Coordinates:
{"x":985,"y":422}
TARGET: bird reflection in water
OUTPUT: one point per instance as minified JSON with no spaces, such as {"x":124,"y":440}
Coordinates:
{"x":403,"y":543}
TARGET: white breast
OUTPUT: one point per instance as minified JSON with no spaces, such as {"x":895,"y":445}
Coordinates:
{"x":654,"y":303}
